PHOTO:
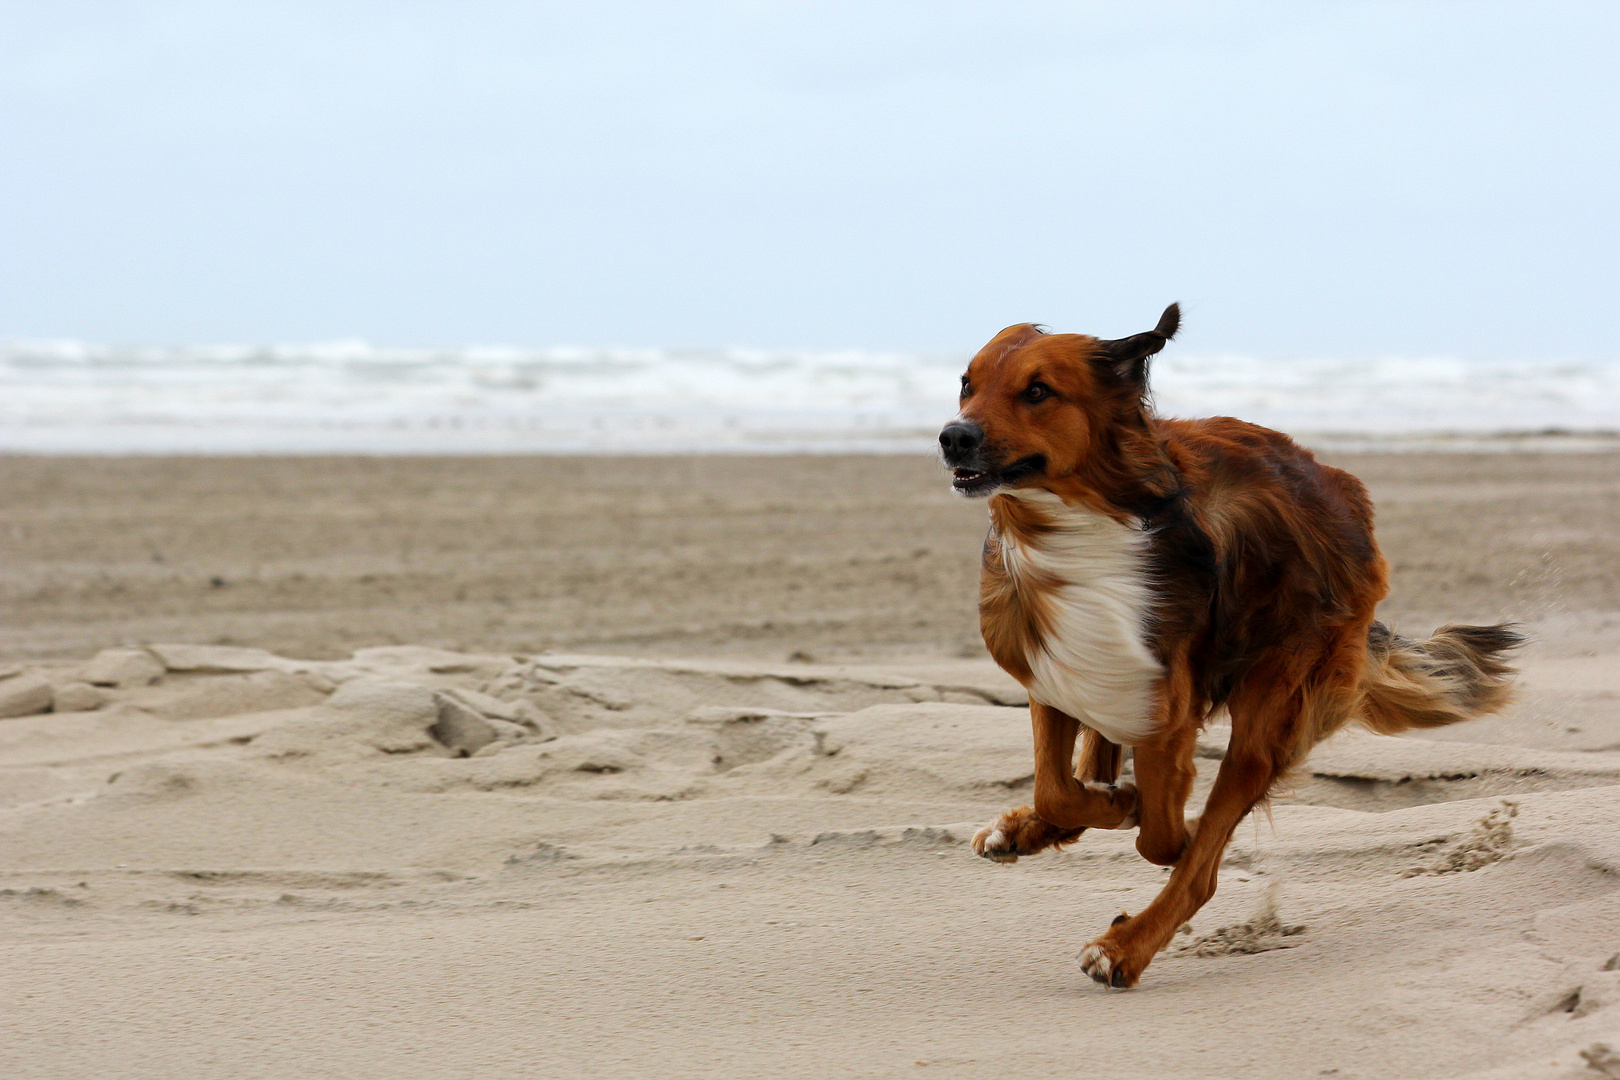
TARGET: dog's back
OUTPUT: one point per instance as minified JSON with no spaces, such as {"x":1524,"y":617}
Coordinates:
{"x":1295,"y":562}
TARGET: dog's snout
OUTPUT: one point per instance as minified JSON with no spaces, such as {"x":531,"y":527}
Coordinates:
{"x":960,"y":437}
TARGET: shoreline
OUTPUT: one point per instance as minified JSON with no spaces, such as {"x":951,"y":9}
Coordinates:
{"x":461,"y":439}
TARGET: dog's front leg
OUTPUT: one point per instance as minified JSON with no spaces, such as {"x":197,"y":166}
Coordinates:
{"x":1066,"y":804}
{"x":1164,"y":779}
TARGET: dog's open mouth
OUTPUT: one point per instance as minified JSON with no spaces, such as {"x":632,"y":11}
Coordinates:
{"x":982,"y":479}
{"x":970,"y":479}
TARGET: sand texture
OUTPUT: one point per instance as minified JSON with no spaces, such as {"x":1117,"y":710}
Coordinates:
{"x":693,"y":799}
{"x":842,"y":557}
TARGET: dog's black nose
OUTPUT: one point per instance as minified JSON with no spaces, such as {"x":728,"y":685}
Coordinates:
{"x":960,"y":437}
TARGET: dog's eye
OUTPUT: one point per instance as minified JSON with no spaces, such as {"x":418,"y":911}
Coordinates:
{"x":967,"y":387}
{"x":1037,"y":392}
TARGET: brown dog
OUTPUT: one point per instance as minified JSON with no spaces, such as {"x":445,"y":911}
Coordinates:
{"x":1142,"y":574}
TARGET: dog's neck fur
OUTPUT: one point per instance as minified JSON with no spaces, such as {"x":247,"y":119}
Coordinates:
{"x":1065,"y":607}
{"x":1127,"y":473}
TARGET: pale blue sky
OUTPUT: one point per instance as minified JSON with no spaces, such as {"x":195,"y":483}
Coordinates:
{"x":1338,"y":179}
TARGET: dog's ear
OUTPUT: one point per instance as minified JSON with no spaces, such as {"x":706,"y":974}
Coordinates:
{"x":1127,"y":357}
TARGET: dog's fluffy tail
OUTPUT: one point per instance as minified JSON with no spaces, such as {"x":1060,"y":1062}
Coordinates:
{"x":1457,"y":674}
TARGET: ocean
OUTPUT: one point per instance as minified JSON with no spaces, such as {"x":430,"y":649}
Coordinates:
{"x":351,"y":397}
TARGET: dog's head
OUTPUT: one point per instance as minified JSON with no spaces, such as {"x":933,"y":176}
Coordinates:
{"x":1037,"y":406}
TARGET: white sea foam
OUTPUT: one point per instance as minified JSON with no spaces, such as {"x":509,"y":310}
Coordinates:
{"x":353,"y":397}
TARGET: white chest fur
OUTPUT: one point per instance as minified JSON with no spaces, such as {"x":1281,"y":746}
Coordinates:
{"x":1094,"y":662}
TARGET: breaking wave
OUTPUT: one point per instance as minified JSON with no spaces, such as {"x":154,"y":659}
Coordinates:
{"x":67,"y":397}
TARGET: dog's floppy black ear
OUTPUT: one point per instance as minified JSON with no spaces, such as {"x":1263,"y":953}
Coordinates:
{"x":1127,"y":357}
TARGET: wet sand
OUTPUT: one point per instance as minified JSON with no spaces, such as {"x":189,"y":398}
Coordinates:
{"x":738,"y":556}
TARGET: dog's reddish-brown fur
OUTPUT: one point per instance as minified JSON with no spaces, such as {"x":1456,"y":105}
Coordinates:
{"x":1264,"y":577}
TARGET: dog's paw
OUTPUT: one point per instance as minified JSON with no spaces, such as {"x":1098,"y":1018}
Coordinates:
{"x":1019,"y":832}
{"x":1106,"y":964}
{"x":992,"y":842}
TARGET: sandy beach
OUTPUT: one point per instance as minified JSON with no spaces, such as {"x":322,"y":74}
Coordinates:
{"x":665,"y":766}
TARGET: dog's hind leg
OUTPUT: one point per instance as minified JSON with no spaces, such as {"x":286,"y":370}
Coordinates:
{"x":1100,"y":760}
{"x":1065,"y":804}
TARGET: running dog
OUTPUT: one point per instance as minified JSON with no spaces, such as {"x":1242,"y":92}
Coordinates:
{"x":1142,"y":574}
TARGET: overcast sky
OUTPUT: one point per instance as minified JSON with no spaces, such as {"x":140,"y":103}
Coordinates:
{"x":1307,"y":178}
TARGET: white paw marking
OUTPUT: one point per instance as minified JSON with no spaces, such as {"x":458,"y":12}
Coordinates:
{"x":991,"y":843}
{"x":1094,"y":961}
